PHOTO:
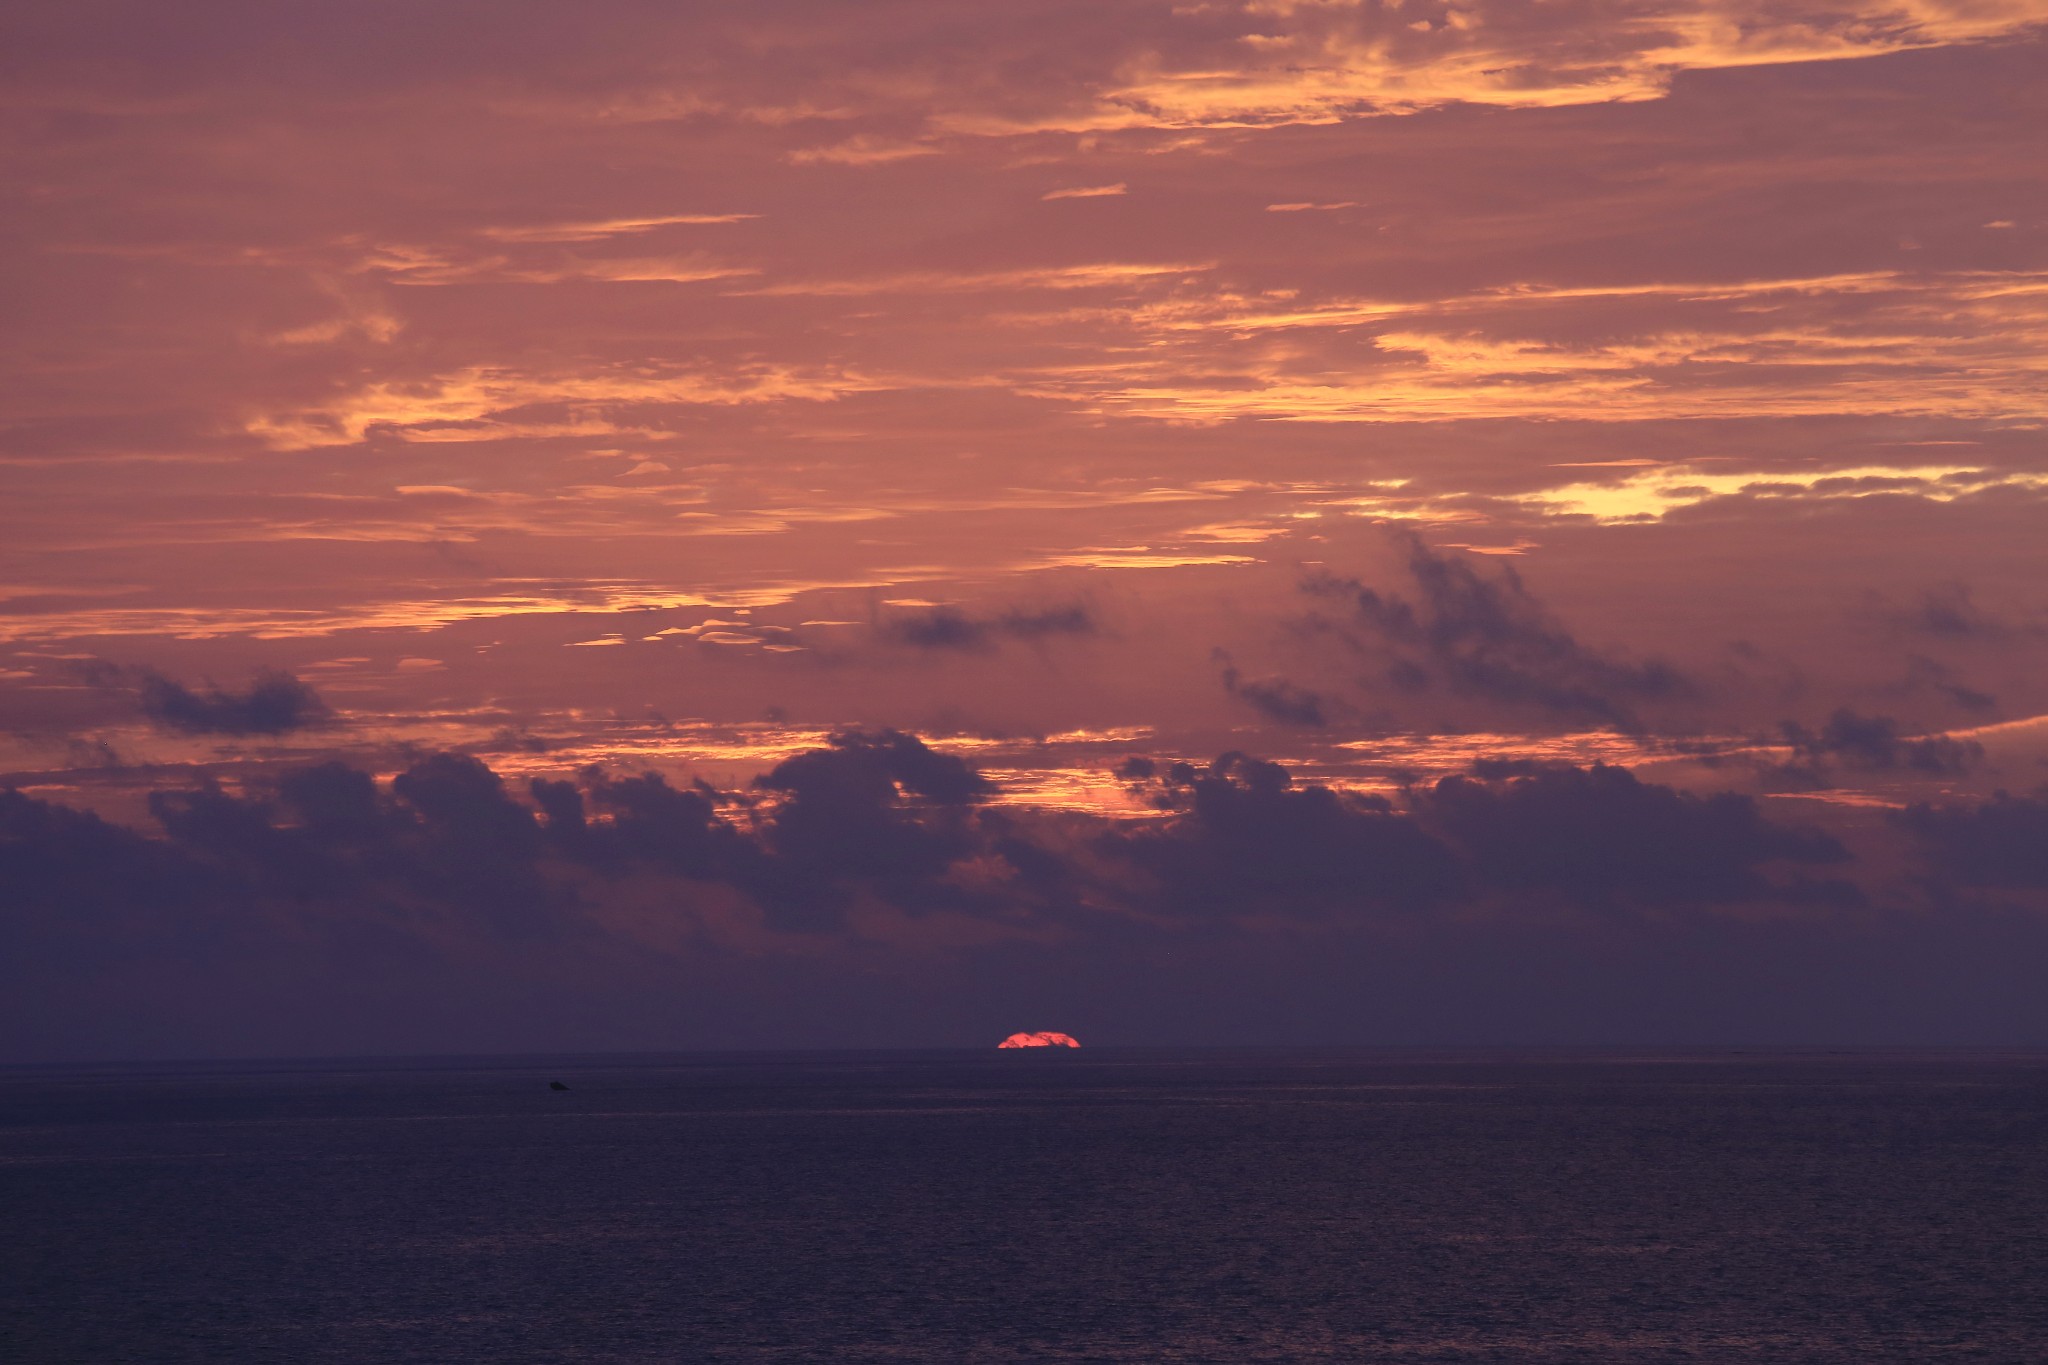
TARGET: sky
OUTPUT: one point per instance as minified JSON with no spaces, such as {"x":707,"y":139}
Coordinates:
{"x":633,"y":525}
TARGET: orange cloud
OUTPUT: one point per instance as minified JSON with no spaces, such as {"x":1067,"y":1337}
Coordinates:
{"x":609,"y":227}
{"x":1313,"y":62}
{"x":473,"y":403}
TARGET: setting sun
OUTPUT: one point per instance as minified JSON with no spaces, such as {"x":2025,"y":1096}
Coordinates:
{"x":1037,"y":1040}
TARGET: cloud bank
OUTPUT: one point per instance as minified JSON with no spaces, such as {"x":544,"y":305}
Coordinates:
{"x":875,"y":862}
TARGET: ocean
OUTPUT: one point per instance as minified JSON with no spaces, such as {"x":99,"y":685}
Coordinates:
{"x":1100,"y":1205}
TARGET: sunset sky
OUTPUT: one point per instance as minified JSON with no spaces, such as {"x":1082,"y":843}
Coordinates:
{"x":1282,"y":520}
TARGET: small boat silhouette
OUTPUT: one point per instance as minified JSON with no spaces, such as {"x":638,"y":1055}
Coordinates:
{"x":556,"y":1085}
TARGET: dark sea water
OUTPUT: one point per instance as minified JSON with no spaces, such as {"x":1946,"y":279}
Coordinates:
{"x":1093,"y":1206}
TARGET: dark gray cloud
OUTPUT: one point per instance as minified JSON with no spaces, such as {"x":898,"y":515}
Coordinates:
{"x":1876,"y":743}
{"x":1252,"y":841}
{"x":1947,"y":611}
{"x":940,"y":628}
{"x":643,"y":818}
{"x":274,"y":704}
{"x":1600,"y":835}
{"x":465,"y":803}
{"x":1486,"y":636}
{"x":874,"y":767}
{"x":446,"y":844}
{"x":1278,"y":699}
{"x":71,"y":880}
{"x":950,"y":628}
{"x":879,"y":808}
{"x":2002,"y":842}
{"x":1923,"y":673}
{"x":1072,"y":619}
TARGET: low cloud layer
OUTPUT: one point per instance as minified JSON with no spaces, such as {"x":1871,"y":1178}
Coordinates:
{"x":2002,"y":842}
{"x":877,"y":861}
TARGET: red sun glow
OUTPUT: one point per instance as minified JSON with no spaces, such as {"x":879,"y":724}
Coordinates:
{"x":1038,"y":1040}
